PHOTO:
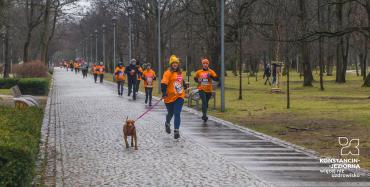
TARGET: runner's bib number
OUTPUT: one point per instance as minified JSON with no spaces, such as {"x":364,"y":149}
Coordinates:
{"x":204,"y":79}
{"x":178,"y":84}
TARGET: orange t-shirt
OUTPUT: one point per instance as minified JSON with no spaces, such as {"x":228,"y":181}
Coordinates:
{"x":120,"y":74}
{"x":205,"y":83}
{"x":99,"y":69}
{"x":175,"y":87}
{"x":149,"y":75}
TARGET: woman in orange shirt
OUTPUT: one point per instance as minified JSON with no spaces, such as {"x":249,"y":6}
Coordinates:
{"x":148,"y":77}
{"x":204,"y":79}
{"x":173,"y":92}
{"x":120,"y":78}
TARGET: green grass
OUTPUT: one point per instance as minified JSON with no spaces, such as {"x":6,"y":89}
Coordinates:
{"x":5,"y":92}
{"x":339,"y":110}
{"x":19,"y":145}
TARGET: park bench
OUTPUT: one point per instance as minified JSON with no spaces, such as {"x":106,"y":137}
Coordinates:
{"x":193,"y":93}
{"x":23,"y":101}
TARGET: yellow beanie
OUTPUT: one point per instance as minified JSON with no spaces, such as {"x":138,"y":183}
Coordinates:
{"x":174,"y":59}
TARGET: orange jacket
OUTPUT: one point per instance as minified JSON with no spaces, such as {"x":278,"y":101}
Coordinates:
{"x":175,"y":86}
{"x":120,"y":73}
{"x":149,"y":76}
{"x":93,"y":69}
{"x":203,"y":77}
{"x":100,"y":69}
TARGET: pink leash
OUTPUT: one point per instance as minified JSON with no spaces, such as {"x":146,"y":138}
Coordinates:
{"x":151,"y":108}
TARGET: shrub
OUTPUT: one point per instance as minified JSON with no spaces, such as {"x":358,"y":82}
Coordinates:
{"x":31,"y":69}
{"x":19,"y":145}
{"x":28,"y":86}
{"x":8,"y":83}
{"x":34,"y":86}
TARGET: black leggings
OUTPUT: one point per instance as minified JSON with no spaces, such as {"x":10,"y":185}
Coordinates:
{"x":137,"y":86}
{"x":101,"y":78}
{"x":131,"y":87}
{"x":120,"y":87}
{"x":205,"y":99}
{"x":148,"y":95}
{"x":95,"y":77}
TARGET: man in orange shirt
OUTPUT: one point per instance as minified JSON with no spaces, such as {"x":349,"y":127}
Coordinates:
{"x":204,"y":79}
{"x":120,"y":77}
{"x":100,"y":71}
{"x":148,"y":77}
{"x":173,"y":92}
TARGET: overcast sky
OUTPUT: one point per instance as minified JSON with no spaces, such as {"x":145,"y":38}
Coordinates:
{"x":79,"y":7}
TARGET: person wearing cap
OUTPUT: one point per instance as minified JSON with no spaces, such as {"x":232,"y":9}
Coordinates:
{"x":173,"y":93}
{"x":148,"y":77}
{"x":120,"y":78}
{"x":204,"y":79}
{"x":100,"y":71}
{"x":132,"y":72}
{"x":139,"y":76}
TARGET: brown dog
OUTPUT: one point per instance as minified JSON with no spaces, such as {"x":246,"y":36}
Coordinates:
{"x":130,"y":130}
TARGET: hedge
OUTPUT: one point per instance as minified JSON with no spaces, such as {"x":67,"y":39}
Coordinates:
{"x":8,"y":83}
{"x":19,"y":145}
{"x":34,"y":86}
{"x":28,"y":86}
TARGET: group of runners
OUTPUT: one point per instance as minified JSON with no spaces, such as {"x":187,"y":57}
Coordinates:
{"x":173,"y":86}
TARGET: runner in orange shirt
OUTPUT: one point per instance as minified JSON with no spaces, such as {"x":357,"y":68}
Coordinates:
{"x":94,"y":72}
{"x":204,"y":79}
{"x":173,"y":92}
{"x":139,"y":76}
{"x":100,"y":70}
{"x":148,"y":77}
{"x":120,"y":77}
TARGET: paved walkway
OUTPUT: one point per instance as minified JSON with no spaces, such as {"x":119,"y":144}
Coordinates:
{"x":82,"y":135}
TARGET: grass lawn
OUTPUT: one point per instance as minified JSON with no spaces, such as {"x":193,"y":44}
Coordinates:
{"x":320,"y":116}
{"x":19,"y":144}
{"x":5,"y":92}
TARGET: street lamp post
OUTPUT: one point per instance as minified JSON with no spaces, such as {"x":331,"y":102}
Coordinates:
{"x":129,"y":11}
{"x":96,"y":45}
{"x":223,"y":56}
{"x":86,"y":50}
{"x":91,"y":47}
{"x":114,"y":21}
{"x":159,"y":45}
{"x":103,"y":43}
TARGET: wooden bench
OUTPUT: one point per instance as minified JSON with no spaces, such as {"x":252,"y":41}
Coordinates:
{"x":193,"y":93}
{"x":23,"y":101}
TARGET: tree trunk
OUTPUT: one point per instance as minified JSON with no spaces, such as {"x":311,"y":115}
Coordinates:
{"x":321,"y":49}
{"x":367,"y":81}
{"x":307,"y":70}
{"x":45,"y":32}
{"x":7,"y":59}
{"x":342,"y":52}
{"x":240,"y":62}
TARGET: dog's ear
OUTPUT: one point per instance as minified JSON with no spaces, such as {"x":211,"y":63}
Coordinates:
{"x":126,"y":118}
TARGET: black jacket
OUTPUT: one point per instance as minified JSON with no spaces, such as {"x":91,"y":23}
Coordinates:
{"x":128,"y":71}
